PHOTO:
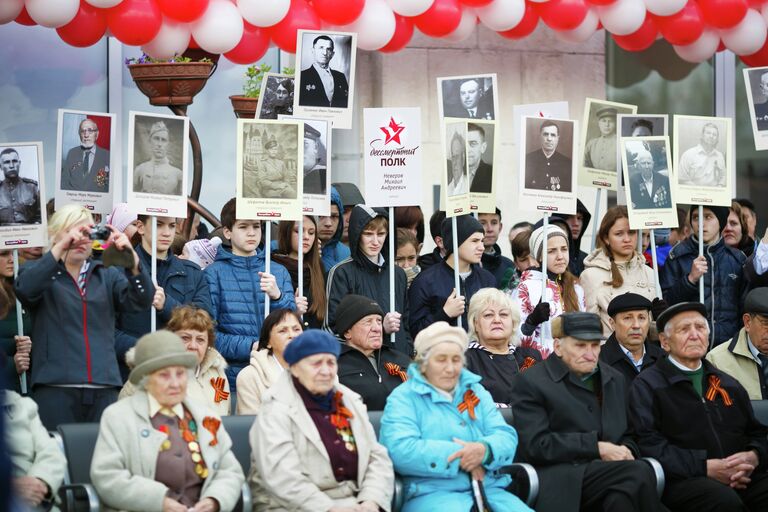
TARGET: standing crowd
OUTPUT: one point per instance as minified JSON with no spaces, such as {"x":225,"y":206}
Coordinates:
{"x":584,"y":371}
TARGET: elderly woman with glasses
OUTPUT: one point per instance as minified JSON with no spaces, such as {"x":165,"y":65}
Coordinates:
{"x":443,"y":430}
{"x":158,"y":450}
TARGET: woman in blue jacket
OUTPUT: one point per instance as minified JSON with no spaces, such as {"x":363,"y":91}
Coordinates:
{"x":442,"y":430}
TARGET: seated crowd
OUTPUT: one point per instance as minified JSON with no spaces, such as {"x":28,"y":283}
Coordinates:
{"x":582,"y":371}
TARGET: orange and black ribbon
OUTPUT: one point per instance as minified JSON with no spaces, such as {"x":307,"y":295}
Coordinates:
{"x":527,"y":363}
{"x":212,"y":424}
{"x":340,"y":419}
{"x":716,"y":389}
{"x":469,"y":403}
{"x":219,"y":394}
{"x":395,"y":370}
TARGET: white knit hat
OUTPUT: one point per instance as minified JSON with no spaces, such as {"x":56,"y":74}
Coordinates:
{"x":537,"y":238}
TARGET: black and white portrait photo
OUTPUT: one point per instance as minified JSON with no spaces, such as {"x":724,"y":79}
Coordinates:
{"x":548,"y":161}
{"x":480,"y":144}
{"x":469,"y":97}
{"x":456,"y":159}
{"x":20,"y":190}
{"x":756,"y":83}
{"x":315,"y":159}
{"x":702,"y":151}
{"x":600,"y":140}
{"x":634,"y":125}
{"x":648,"y":171}
{"x":158,"y":155}
{"x":276,"y":96}
{"x":270,"y":154}
{"x":326,"y":68}
{"x":86,"y":143}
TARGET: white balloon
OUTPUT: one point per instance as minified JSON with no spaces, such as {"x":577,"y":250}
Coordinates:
{"x":701,"y":49}
{"x":665,"y":7}
{"x":410,"y":7}
{"x":10,"y":10}
{"x":466,"y":26}
{"x":584,"y":31}
{"x":501,"y":15}
{"x":172,"y":40}
{"x":375,"y":26}
{"x":220,"y":27}
{"x":103,"y":4}
{"x":623,"y":16}
{"x":52,"y":13}
{"x":263,"y":13}
{"x":747,"y":36}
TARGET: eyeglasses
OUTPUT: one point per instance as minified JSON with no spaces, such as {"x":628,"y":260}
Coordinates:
{"x":89,"y":131}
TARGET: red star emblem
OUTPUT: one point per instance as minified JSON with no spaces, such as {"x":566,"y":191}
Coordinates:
{"x":397,"y":129}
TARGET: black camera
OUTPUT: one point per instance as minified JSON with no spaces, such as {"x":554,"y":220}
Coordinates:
{"x":99,"y":232}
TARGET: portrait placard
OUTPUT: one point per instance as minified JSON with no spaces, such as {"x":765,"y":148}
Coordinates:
{"x":157,"y":164}
{"x":455,"y":181}
{"x":639,"y":125}
{"x":392,"y":156}
{"x":317,"y":166}
{"x":547,"y":166}
{"x":83,"y":159}
{"x":481,"y":164}
{"x":23,"y":222}
{"x":470,"y":97}
{"x":756,"y":83}
{"x":325,"y":76}
{"x":276,"y":97}
{"x":599,"y":163}
{"x":269,"y":181}
{"x":702,"y":147}
{"x":651,"y":192}
{"x":551,"y":110}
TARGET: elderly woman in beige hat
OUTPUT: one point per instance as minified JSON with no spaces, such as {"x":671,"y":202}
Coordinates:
{"x":443,"y":430}
{"x":159,"y":451}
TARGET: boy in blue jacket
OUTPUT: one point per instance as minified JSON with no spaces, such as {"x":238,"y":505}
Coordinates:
{"x":238,"y":282}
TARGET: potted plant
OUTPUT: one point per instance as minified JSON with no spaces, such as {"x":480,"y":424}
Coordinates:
{"x":172,"y":82}
{"x":245,"y":105}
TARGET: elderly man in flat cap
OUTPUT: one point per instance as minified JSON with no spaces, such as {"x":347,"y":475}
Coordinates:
{"x":314,"y":161}
{"x":627,"y":349}
{"x":158,"y":176}
{"x":570,"y":414}
{"x":600,"y":152}
{"x":697,"y":421}
{"x":745,"y":356}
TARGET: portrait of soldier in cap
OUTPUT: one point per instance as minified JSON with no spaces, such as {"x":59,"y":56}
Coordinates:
{"x":19,"y":196}
{"x":157,"y":175}
{"x":315,"y":158}
{"x":600,"y":152}
{"x":277,"y":98}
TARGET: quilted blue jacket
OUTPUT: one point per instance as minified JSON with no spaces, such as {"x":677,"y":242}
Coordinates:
{"x":237,"y":304}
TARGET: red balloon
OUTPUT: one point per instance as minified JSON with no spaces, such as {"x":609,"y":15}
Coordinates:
{"x":683,"y":27}
{"x":476,"y":3}
{"x":300,"y":15}
{"x":86,"y":28}
{"x":526,"y":26}
{"x":757,"y":59}
{"x":401,"y":37}
{"x":24,"y":18}
{"x":640,"y":39}
{"x":441,"y":19}
{"x":135,"y":22}
{"x":723,"y":13}
{"x":562,"y":14}
{"x":252,"y":46}
{"x":183,"y":10}
{"x":339,"y":12}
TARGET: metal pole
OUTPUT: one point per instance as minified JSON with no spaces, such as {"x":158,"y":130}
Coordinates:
{"x":456,"y":278}
{"x":19,"y":320}
{"x":267,"y":253}
{"x":640,"y":241}
{"x":153,"y":273}
{"x":701,"y":250}
{"x":300,"y":250}
{"x":392,"y":243}
{"x":544,"y":258}
{"x":596,"y":216}
{"x":655,"y":264}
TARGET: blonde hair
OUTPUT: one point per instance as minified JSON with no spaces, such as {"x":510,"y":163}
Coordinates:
{"x":66,"y":217}
{"x":486,"y":297}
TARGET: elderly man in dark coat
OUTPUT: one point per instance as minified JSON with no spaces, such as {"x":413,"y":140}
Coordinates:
{"x":570,"y":415}
{"x":698,"y":422}
{"x":627,"y":349}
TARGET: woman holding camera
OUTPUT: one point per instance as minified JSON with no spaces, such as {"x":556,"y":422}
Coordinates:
{"x":73,"y":299}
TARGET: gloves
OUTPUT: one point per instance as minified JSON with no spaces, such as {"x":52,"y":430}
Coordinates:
{"x":539,"y":314}
{"x":657,"y":307}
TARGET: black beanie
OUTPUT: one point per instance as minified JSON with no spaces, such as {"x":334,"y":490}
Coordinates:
{"x":351,"y":309}
{"x":466,"y":226}
{"x":721,"y":212}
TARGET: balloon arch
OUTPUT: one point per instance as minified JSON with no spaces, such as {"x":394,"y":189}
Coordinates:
{"x":242,"y":30}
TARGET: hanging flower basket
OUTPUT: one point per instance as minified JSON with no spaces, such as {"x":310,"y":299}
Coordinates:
{"x":171,"y":83}
{"x":244,"y":106}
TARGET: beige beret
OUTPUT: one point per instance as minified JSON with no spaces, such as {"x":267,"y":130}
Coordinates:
{"x":439,"y":332}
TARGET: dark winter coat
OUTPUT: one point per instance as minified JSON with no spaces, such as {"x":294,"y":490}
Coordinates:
{"x":373,"y":384}
{"x":612,"y":355}
{"x":500,"y":372}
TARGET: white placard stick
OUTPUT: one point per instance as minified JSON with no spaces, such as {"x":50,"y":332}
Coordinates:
{"x":596,"y":216}
{"x":153,"y":273}
{"x":267,"y":254}
{"x":300,"y":242}
{"x":392,"y":243}
{"x":544,"y":258}
{"x":456,"y":278}
{"x":19,"y":320}
{"x":655,"y":264}
{"x":701,"y":250}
